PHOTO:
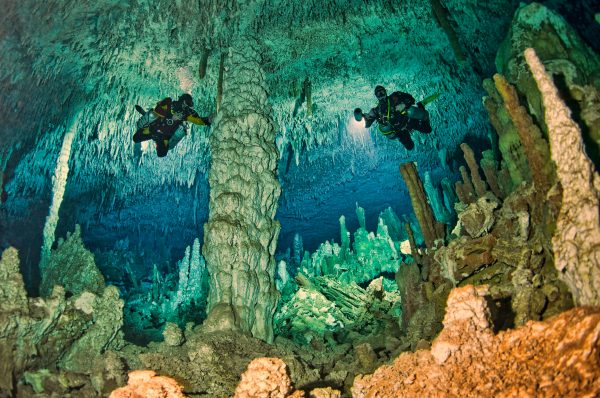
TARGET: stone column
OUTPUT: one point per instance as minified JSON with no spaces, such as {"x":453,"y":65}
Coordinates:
{"x":240,"y":236}
{"x":431,"y":230}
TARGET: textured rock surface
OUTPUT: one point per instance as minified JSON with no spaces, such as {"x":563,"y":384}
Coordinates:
{"x":211,"y":363}
{"x":265,"y":378}
{"x":478,"y":218}
{"x":241,"y":233}
{"x":557,"y":357}
{"x":69,"y":336}
{"x":71,"y":266}
{"x":573,"y":65}
{"x":577,"y":236}
{"x":146,"y":384}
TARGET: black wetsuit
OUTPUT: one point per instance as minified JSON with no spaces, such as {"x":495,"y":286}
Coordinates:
{"x":394,"y":122}
{"x":171,"y":115}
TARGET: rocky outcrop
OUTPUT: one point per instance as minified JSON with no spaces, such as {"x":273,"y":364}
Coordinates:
{"x":145,"y":383}
{"x":70,"y":336}
{"x":265,"y":377}
{"x":71,"y":266}
{"x":557,"y":357}
{"x":241,"y":233}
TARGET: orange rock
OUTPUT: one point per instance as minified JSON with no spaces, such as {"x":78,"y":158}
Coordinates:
{"x":265,"y":378}
{"x":145,"y":384}
{"x":559,"y":357}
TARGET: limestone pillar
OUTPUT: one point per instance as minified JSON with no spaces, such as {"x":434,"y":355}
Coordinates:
{"x":240,"y":236}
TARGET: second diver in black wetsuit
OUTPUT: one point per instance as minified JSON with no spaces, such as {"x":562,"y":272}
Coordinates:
{"x":397,"y":115}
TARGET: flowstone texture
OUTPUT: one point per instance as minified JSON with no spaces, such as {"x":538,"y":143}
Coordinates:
{"x":241,"y":232}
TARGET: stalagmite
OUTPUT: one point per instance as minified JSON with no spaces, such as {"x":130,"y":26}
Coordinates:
{"x":576,"y":241}
{"x":467,"y":186}
{"x":536,"y":149}
{"x":241,"y":233}
{"x":489,"y":167}
{"x":430,"y":228}
{"x":478,"y":183}
{"x":59,"y":184}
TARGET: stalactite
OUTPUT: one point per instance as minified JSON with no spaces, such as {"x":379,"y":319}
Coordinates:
{"x":308,"y":93}
{"x":220,"y":81}
{"x":204,"y":63}
{"x":241,"y":233}
{"x":59,"y":184}
{"x":577,"y":237}
{"x":431,"y":229}
{"x":442,"y":17}
{"x":478,"y":183}
{"x":536,"y":149}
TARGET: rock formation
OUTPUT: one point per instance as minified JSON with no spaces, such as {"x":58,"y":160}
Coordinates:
{"x":71,"y":336}
{"x":241,"y":233}
{"x":576,"y":241}
{"x":147,"y":384}
{"x":557,"y":357}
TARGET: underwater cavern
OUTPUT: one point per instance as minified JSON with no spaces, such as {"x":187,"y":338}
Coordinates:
{"x":300,"y":198}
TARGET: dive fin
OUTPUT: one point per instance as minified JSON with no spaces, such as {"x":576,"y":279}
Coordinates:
{"x":430,"y":99}
{"x":140,"y":109}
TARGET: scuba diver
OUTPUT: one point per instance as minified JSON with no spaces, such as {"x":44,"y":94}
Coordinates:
{"x":164,"y":123}
{"x":397,"y":115}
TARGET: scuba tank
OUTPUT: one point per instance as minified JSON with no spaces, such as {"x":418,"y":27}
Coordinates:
{"x":419,"y":113}
{"x":146,"y":119}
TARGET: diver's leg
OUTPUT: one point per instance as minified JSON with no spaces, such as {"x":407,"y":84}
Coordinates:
{"x":405,"y":139}
{"x":162,"y":147}
{"x":142,"y":135}
{"x":420,"y":125}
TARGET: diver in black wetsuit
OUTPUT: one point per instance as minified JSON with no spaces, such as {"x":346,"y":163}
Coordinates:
{"x":161,"y":123}
{"x":397,"y":115}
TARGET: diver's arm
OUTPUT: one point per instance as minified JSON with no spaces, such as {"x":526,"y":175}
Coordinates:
{"x":193,"y":117}
{"x":370,"y":117}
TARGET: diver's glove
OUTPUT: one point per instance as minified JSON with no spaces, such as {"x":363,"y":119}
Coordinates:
{"x":358,"y":114}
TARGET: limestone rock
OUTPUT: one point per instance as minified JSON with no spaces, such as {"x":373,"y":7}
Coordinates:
{"x":463,"y":256}
{"x":265,"y":378}
{"x":326,"y":392}
{"x":241,"y":232}
{"x":173,"y":335}
{"x":478,"y":218}
{"x":107,"y":319}
{"x":145,"y":383}
{"x":557,"y":357}
{"x":72,"y":266}
{"x":577,"y":235}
